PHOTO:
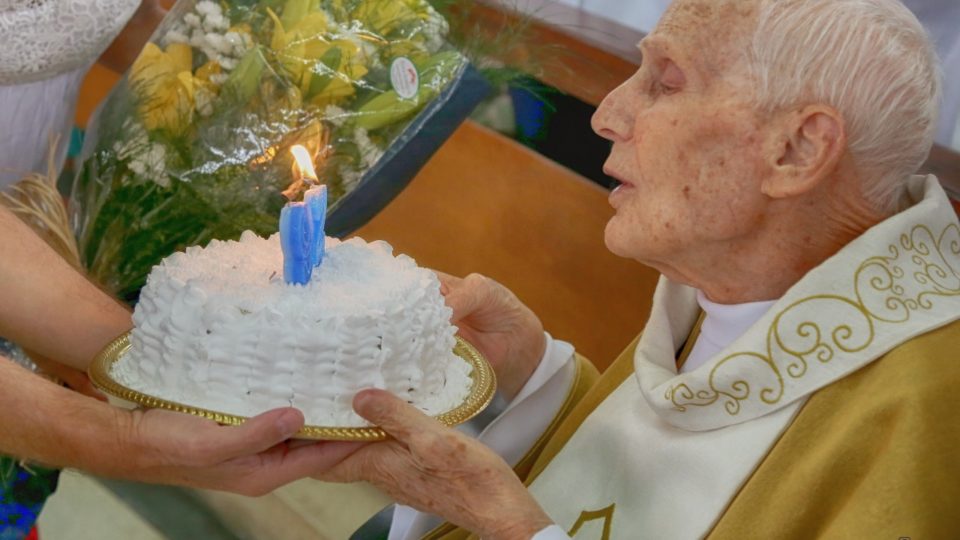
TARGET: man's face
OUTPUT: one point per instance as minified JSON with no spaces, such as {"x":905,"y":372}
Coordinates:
{"x":687,"y":144}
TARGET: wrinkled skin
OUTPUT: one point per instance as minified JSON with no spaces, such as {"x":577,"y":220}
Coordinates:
{"x":438,"y":470}
{"x":715,"y":194}
{"x":679,"y":128}
{"x":73,"y":378}
{"x":501,"y":327}
{"x":252,"y":459}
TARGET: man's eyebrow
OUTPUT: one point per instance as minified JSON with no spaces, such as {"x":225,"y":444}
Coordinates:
{"x":655,"y":44}
{"x":660,"y":48}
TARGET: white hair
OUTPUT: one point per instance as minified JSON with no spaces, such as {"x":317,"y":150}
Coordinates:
{"x":870,"y":60}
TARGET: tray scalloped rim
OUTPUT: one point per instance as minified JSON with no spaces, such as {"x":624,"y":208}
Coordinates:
{"x":481,"y":394}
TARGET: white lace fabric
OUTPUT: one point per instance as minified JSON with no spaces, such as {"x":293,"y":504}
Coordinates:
{"x":40,"y":39}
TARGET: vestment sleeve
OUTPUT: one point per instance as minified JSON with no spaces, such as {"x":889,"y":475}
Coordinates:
{"x":522,"y":423}
{"x":522,"y":426}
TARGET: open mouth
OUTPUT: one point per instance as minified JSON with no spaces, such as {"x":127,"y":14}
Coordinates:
{"x":620,"y":192}
{"x":621,"y":183}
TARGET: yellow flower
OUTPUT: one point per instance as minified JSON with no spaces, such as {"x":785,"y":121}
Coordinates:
{"x":335,"y":75}
{"x":299,"y":44}
{"x":181,"y":55}
{"x":165,"y":86}
{"x":325,"y":70}
{"x":384,"y":16}
{"x":206,"y":72}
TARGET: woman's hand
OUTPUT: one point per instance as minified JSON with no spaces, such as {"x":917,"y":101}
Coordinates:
{"x":75,"y":379}
{"x":499,"y":325}
{"x":127,"y":45}
{"x":439,"y":470}
{"x":252,"y":459}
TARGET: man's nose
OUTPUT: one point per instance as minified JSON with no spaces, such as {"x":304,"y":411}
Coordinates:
{"x":613,"y":119}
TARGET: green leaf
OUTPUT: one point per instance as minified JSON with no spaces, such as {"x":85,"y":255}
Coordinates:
{"x":245,"y":78}
{"x":330,"y":62}
{"x":294,"y":11}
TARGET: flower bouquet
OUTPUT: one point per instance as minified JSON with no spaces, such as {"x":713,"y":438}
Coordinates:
{"x":193,"y":143}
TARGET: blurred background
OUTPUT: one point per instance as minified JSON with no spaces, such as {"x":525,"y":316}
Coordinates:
{"x":529,"y":146}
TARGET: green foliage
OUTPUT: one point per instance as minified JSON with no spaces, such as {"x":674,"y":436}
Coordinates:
{"x":142,"y":194}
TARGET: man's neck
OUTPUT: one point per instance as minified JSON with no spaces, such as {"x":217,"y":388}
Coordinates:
{"x":765,"y":263}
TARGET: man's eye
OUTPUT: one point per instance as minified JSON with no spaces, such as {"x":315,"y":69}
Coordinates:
{"x":657,"y":88}
{"x":667,"y":90}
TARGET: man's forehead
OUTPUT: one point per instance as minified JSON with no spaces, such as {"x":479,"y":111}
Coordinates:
{"x":712,"y":13}
{"x":707,"y":25}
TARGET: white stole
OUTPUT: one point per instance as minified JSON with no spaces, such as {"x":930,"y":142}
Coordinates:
{"x":665,"y":453}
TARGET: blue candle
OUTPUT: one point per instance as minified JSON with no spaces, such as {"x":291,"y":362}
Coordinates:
{"x":316,"y":200}
{"x":296,"y":239}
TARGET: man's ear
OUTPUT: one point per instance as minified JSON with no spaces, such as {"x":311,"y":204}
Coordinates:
{"x":809,"y":148}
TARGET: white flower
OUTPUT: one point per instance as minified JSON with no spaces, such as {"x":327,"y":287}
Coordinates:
{"x":351,"y":177}
{"x":218,"y":43}
{"x":370,"y":153}
{"x":435,"y":31}
{"x":234,"y":39}
{"x":335,"y":115}
{"x":154,"y":164}
{"x":215,"y":22}
{"x":146,"y":159}
{"x":192,"y":20}
{"x":206,"y":7}
{"x":137,"y":167}
{"x":135,"y":139}
{"x":198,"y":39}
{"x":203,"y":101}
{"x":177,"y":34}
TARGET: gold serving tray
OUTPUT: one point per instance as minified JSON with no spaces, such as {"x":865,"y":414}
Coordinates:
{"x":481,"y":394}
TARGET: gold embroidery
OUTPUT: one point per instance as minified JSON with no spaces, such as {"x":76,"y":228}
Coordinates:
{"x":606,"y":514}
{"x":887,"y":289}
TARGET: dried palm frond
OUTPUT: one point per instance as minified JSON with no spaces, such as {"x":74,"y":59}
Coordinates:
{"x":36,"y":201}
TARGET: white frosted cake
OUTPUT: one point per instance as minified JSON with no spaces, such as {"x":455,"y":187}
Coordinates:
{"x":217,"y":328}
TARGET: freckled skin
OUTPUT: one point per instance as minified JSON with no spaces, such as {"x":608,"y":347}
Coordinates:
{"x":715,"y":196}
{"x":698,"y":161}
{"x":686,"y":137}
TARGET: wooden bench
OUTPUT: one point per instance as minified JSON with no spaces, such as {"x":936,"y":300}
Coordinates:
{"x":487,"y":204}
{"x":588,"y":56}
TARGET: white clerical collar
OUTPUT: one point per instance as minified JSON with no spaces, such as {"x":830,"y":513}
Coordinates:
{"x":722,"y":325}
{"x":895,"y":282}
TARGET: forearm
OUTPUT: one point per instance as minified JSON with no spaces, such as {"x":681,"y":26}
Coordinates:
{"x":48,"y":424}
{"x":49,"y":307}
{"x":517,"y":428}
{"x":127,"y":45}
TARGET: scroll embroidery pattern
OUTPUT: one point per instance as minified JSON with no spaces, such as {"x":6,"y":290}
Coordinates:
{"x":606,"y":514}
{"x":812,"y":331}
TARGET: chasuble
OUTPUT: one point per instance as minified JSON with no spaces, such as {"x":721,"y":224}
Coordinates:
{"x":833,"y":415}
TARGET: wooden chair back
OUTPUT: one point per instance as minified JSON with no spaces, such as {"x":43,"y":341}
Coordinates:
{"x":487,"y":204}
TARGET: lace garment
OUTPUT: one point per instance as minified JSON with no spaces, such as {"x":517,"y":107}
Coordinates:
{"x":44,"y":38}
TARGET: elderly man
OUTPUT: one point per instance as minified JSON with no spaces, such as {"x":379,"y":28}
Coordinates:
{"x":941,"y":18}
{"x":797,"y":376}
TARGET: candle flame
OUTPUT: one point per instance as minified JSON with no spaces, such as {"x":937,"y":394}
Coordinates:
{"x":304,"y":163}
{"x":303,"y":171}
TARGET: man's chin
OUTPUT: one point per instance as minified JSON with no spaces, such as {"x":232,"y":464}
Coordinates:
{"x":616,"y":243}
{"x":631,"y":246}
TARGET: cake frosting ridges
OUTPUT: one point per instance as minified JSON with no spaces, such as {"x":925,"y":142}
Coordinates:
{"x":218,"y":328}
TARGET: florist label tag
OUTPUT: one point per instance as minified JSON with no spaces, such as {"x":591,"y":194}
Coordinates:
{"x":404,"y":78}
